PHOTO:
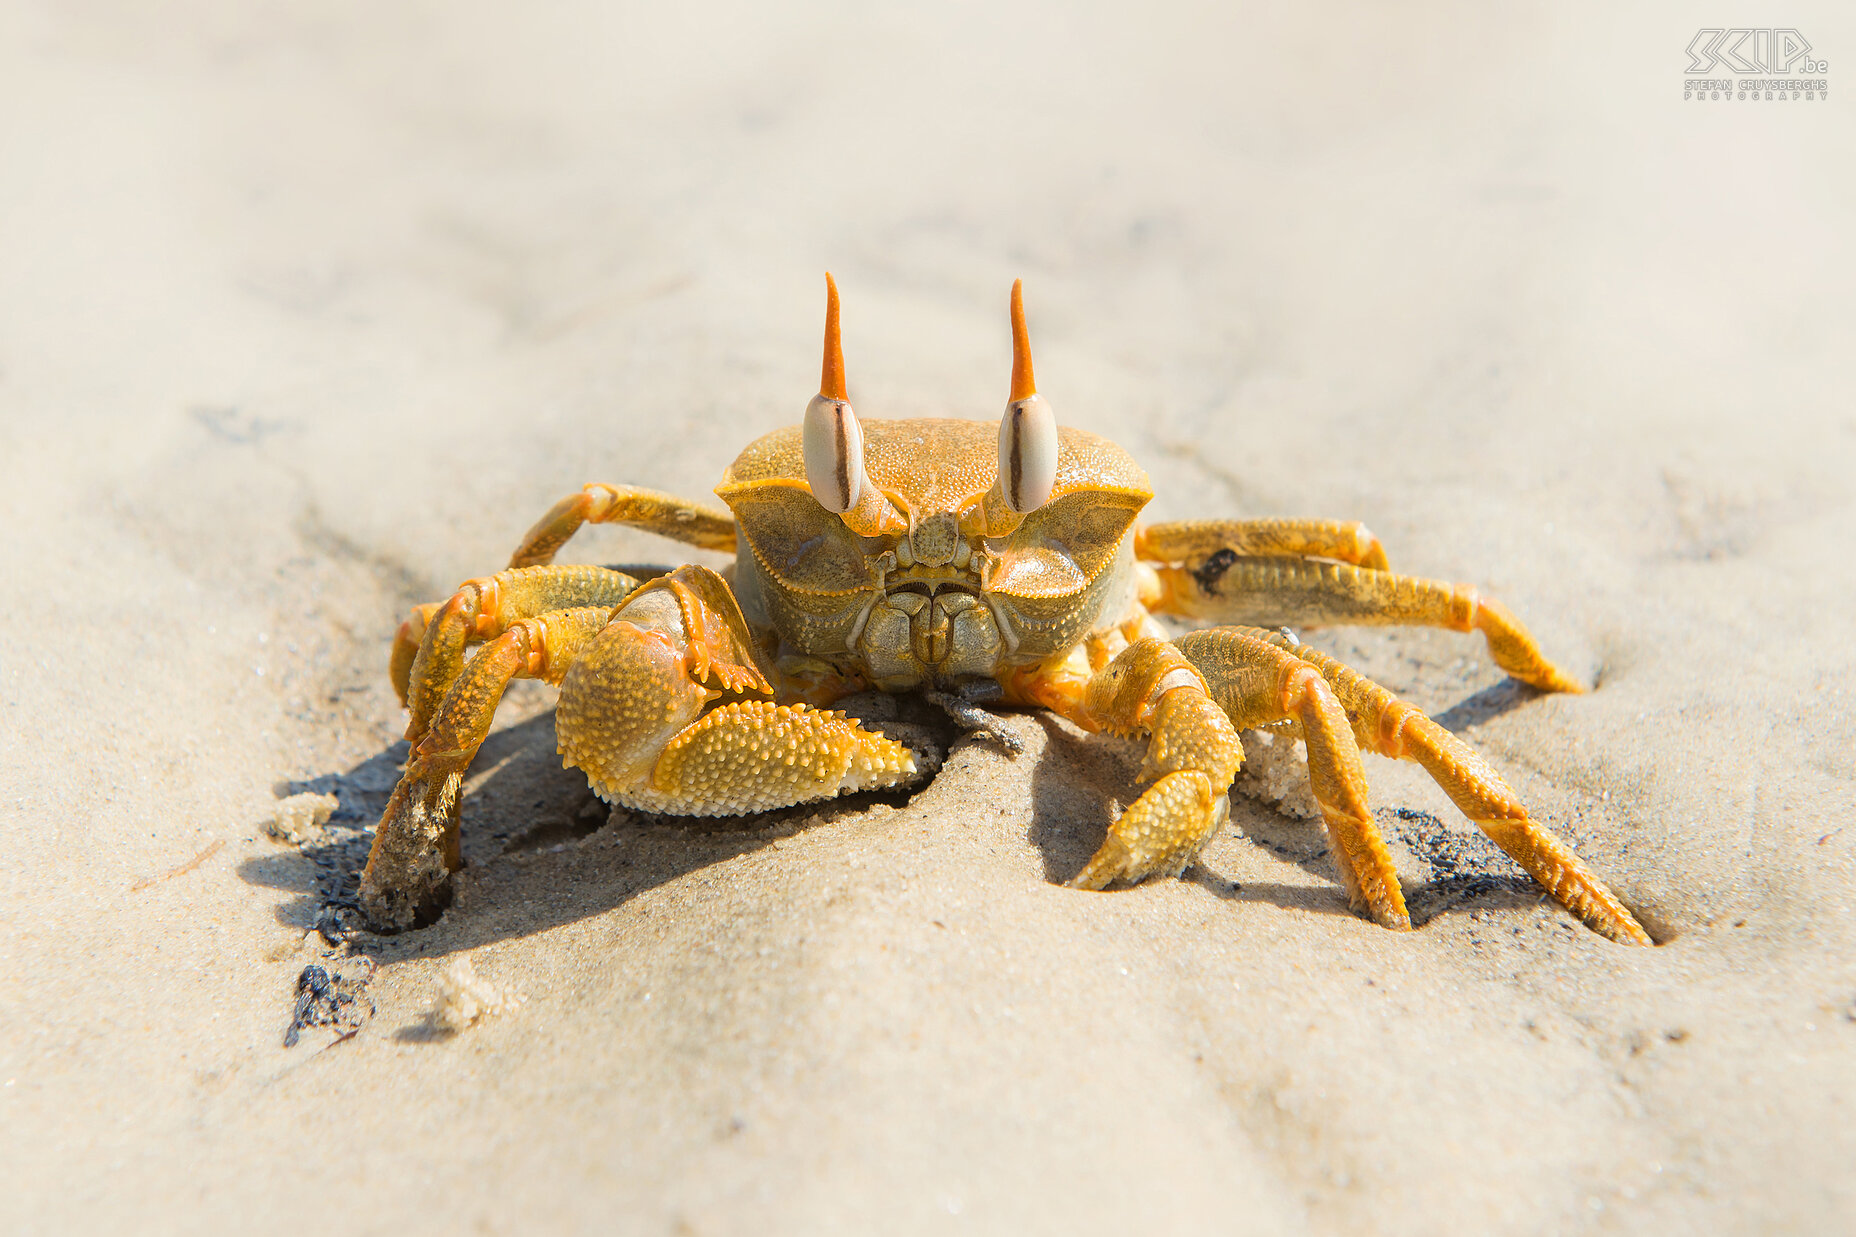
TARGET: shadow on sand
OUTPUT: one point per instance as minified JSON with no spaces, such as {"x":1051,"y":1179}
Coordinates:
{"x":525,"y":827}
{"x":530,"y":864}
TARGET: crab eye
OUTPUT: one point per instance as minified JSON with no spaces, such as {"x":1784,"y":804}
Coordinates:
{"x":1028,"y":431}
{"x":833,"y":441}
{"x":834,"y":450}
{"x":1027,"y":453}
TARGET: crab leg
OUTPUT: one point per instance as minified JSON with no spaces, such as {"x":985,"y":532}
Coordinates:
{"x":1253,"y":684}
{"x":1192,"y":752}
{"x":482,"y":609}
{"x":406,"y":644}
{"x":637,"y":684}
{"x":664,"y":514}
{"x":1391,"y":727}
{"x":1192,"y":541}
{"x":1227,"y":588}
{"x":1189,"y":709}
{"x":416,"y":845}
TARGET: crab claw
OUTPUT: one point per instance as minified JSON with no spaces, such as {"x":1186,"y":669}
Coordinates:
{"x":1028,"y":430}
{"x":833,"y":441}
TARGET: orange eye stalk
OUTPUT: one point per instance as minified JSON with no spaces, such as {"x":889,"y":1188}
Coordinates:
{"x":833,"y":441}
{"x":1028,"y":430}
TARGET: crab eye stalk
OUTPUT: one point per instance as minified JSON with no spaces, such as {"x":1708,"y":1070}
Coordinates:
{"x":1028,"y":430}
{"x":834,"y":446}
{"x":833,"y":441}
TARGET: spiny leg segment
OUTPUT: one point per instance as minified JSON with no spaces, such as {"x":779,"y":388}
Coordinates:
{"x":637,"y":686}
{"x":1192,"y":754}
{"x":695,"y":524}
{"x":1197,"y":541}
{"x":406,"y":644}
{"x":1257,"y":684}
{"x":1232,"y":588}
{"x":1189,"y":710}
{"x":416,"y":844}
{"x":1192,"y":697}
{"x":1392,"y":727}
{"x":1249,"y":572}
{"x":481,"y":610}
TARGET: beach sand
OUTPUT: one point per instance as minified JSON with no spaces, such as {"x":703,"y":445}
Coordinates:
{"x":306,"y":313}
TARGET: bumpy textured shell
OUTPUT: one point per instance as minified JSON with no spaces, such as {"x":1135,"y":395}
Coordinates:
{"x":1060,"y":574}
{"x":937,"y":464}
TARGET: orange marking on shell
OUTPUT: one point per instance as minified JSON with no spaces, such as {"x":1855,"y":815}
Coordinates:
{"x":1024,"y":383}
{"x":831,"y":375}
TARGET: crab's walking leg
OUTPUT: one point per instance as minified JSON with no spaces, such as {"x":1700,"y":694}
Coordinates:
{"x":636,"y":686}
{"x":634,"y":714}
{"x":663,"y":514}
{"x":1195,"y":541}
{"x":1391,"y":727}
{"x":416,"y":845}
{"x":1267,"y":591}
{"x":1193,"y":753}
{"x":1190,"y":709}
{"x":481,"y":610}
{"x":406,"y":644}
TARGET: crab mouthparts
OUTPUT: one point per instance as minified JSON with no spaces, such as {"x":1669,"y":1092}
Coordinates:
{"x":931,"y":580}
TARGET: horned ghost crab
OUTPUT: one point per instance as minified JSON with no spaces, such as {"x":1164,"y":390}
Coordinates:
{"x":987,"y":564}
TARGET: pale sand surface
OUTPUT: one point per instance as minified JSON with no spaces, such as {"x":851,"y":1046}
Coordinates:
{"x":306,"y":314}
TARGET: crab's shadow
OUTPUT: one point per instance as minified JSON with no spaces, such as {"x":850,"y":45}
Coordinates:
{"x":1489,"y":703}
{"x":540,"y":849}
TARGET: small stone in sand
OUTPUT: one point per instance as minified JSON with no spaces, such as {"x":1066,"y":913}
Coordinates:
{"x":464,"y":997}
{"x":300,"y":818}
{"x":1275,"y":770}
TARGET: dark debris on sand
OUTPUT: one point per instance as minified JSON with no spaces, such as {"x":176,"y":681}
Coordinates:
{"x":334,"y":999}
